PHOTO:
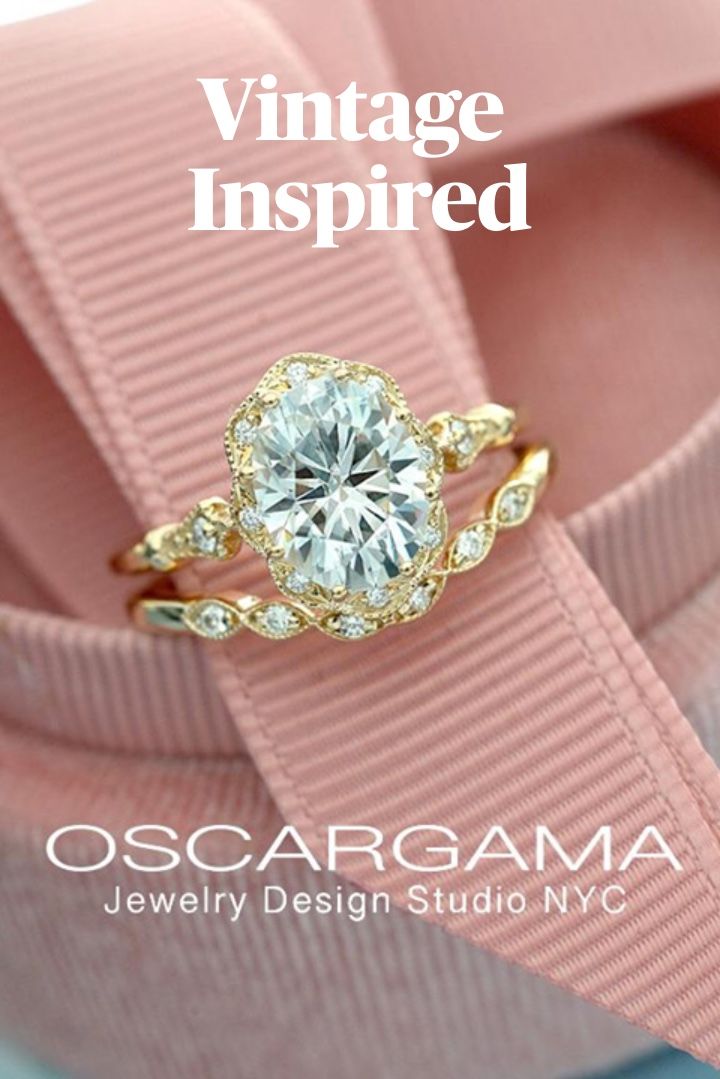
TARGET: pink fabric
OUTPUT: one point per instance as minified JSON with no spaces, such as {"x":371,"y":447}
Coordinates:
{"x":544,"y":708}
{"x":579,"y":63}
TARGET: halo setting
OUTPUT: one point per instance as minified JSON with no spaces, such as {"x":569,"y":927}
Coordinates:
{"x":338,"y":487}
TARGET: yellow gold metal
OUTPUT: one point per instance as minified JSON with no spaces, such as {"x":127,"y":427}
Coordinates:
{"x":207,"y":531}
{"x":216,"y":528}
{"x":508,"y":506}
{"x":462,"y":437}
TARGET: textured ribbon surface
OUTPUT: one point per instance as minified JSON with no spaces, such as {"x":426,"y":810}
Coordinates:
{"x":528,"y":701}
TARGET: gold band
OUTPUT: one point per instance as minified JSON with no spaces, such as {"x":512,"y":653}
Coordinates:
{"x":219,"y":617}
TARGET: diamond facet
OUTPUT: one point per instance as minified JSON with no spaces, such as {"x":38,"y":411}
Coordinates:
{"x":340,"y":484}
{"x":374,"y":382}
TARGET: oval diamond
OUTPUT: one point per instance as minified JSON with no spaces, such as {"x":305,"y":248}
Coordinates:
{"x":340,"y":483}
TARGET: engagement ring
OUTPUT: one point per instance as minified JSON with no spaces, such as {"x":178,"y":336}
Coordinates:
{"x":336,"y":483}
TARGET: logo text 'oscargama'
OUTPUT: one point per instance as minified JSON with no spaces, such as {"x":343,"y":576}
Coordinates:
{"x":419,"y":848}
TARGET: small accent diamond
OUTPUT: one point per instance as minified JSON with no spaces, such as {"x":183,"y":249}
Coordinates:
{"x":431,"y":537}
{"x":215,"y":620}
{"x":352,"y":626}
{"x":278,"y":619}
{"x":204,"y":538}
{"x":462,"y":437}
{"x":378,"y":597}
{"x":297,"y":582}
{"x":421,"y":598}
{"x":250,"y":519}
{"x":244,"y":432}
{"x":468,"y":545}
{"x":159,"y":560}
{"x":427,"y":455}
{"x":297,"y":373}
{"x":513,"y":504}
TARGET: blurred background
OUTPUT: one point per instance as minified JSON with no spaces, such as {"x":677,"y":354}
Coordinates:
{"x":663,"y":1065}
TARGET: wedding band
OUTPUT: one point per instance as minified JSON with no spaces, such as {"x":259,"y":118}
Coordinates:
{"x":337,"y":484}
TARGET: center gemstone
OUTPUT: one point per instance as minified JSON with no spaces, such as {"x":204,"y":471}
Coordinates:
{"x":340,"y":483}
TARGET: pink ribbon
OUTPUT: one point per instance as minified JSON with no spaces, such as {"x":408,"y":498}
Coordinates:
{"x":523,"y":699}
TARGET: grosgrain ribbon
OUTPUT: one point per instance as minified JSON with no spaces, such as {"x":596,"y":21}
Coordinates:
{"x":532,"y":703}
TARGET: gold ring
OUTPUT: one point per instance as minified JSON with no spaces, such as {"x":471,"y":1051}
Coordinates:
{"x":337,"y":484}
